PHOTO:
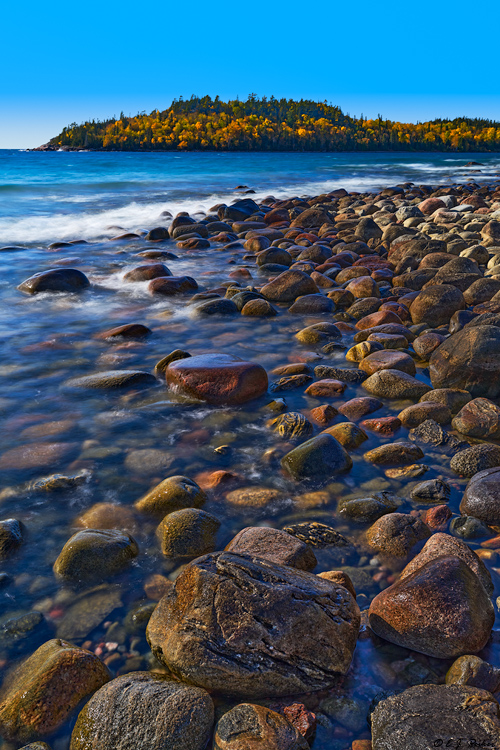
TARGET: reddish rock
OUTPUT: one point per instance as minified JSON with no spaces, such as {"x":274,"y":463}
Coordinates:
{"x":396,"y":534}
{"x":217,"y":378}
{"x":274,"y":545}
{"x":387,"y":359}
{"x":363,"y":287}
{"x":303,"y":720}
{"x":147,"y":272}
{"x":324,"y":414}
{"x":378,"y":318}
{"x":480,"y":418}
{"x":288,"y":286}
{"x":359,"y":407}
{"x":327,"y":387}
{"x":437,"y":518}
{"x":384,"y":425}
{"x":127,"y":331}
{"x":170,"y":285}
{"x":429,"y":205}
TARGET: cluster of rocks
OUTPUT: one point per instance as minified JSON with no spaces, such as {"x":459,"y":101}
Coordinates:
{"x":406,"y":284}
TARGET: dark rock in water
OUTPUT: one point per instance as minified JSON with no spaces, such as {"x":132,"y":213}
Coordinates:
{"x":440,"y":609}
{"x":288,"y":286}
{"x":340,"y":373}
{"x":147,"y":272}
{"x":162,"y":365}
{"x":395,"y":384}
{"x":170,"y":285}
{"x":395,"y":535}
{"x":23,"y":632}
{"x":87,"y":611}
{"x":292,"y":425}
{"x":482,"y":497}
{"x":436,"y":304}
{"x":145,"y":710}
{"x":189,"y":532}
{"x":432,"y":433}
{"x":468,"y":527}
{"x":273,"y":545}
{"x":256,"y":727}
{"x":368,"y":509}
{"x":11,"y":537}
{"x":470,"y":360}
{"x":217,"y":378}
{"x":401,"y":452}
{"x":56,"y":280}
{"x":94,"y":554}
{"x":239,"y":210}
{"x":242,"y":626}
{"x":473,"y":671}
{"x":35,"y":456}
{"x":215,"y":307}
{"x":428,"y":716}
{"x":158,"y":233}
{"x":127,"y":331}
{"x":174,"y":493}
{"x":312,"y":304}
{"x":113,"y":379}
{"x":40,"y":695}
{"x":320,"y":457}
{"x":36,"y":746}
{"x":431,"y":491}
{"x":476,"y":458}
{"x":480,"y":418}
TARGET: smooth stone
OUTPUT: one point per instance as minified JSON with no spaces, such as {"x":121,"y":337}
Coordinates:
{"x":189,"y":532}
{"x":288,"y":286}
{"x":312,"y":304}
{"x":387,"y":359}
{"x":318,"y":458}
{"x":171,"y":285}
{"x":94,"y":554}
{"x":431,"y":491}
{"x":481,"y":498}
{"x":147,"y":272}
{"x":56,"y":280}
{"x":242,"y":626}
{"x":88,"y":611}
{"x":479,"y":418}
{"x":108,"y":516}
{"x":395,"y":535}
{"x":319,"y":333}
{"x":34,"y":456}
{"x":349,"y":434}
{"x":394,"y":454}
{"x":112,"y":379}
{"x":11,"y":537}
{"x":173,"y":493}
{"x":250,"y":727}
{"x":127,"y":331}
{"x":414,"y":415}
{"x":436,"y":304}
{"x":454,"y":398}
{"x":273,"y":545}
{"x":472,"y":671}
{"x":395,"y":384}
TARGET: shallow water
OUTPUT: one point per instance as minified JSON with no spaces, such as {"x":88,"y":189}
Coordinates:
{"x":49,"y":338}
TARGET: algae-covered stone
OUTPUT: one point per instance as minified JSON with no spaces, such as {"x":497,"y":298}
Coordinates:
{"x":174,"y":493}
{"x":95,"y":554}
{"x":320,"y":457}
{"x":187,"y":533}
{"x":145,"y":710}
{"x":38,"y":697}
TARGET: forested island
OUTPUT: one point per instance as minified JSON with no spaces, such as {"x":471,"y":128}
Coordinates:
{"x":269,"y":124}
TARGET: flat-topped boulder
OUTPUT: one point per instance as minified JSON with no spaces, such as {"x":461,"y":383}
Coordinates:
{"x":217,"y":378}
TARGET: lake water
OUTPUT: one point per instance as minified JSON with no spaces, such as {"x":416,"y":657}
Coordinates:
{"x":48,"y":338}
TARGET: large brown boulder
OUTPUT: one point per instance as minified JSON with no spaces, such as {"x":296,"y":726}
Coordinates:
{"x":395,"y":384}
{"x":440,"y":610}
{"x":249,"y":727}
{"x":38,"y":697}
{"x":436,"y":304}
{"x":470,"y":360}
{"x":288,"y":286}
{"x":395,"y":535}
{"x":220,"y":379}
{"x":243,"y":627}
{"x":428,"y":716}
{"x":480,"y":418}
{"x":273,"y":545}
{"x":481,"y":498}
{"x":55,"y":280}
{"x":145,"y":710}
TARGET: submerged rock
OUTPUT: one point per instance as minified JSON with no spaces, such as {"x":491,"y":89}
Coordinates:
{"x":320,"y":457}
{"x":55,"y":280}
{"x":94,"y":554}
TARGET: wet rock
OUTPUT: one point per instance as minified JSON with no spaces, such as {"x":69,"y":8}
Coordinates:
{"x":414,"y":415}
{"x":348,"y":434}
{"x":323,"y":414}
{"x":108,"y":516}
{"x":36,"y":456}
{"x":217,"y":378}
{"x":168,"y":286}
{"x":348,"y":712}
{"x":326,"y":388}
{"x":254,"y":497}
{"x":145,"y":710}
{"x":113,"y":379}
{"x":259,"y":308}
{"x":427,"y":716}
{"x":21,"y":632}
{"x":94,"y":554}
{"x":341,"y":578}
{"x":149,"y":461}
{"x":312,"y":304}
{"x":162,"y":365}
{"x":174,"y":493}
{"x":468,"y":527}
{"x":36,"y":746}
{"x":431,"y":491}
{"x":395,"y":535}
{"x":425,"y":344}
{"x":440,"y":610}
{"x":383,"y":425}
{"x":340,"y":373}
{"x":288,"y":286}
{"x":436,"y":304}
{"x":189,"y":532}
{"x":368,"y":509}
{"x":257,"y":727}
{"x":40,"y":695}
{"x":215,"y":307}
{"x":387,"y":359}
{"x":11,"y":537}
{"x":87,"y":611}
{"x":480,"y":418}
{"x":476,"y":458}
{"x":147,"y":272}
{"x":481,"y":498}
{"x":437,"y":517}
{"x":319,"y":333}
{"x":55,"y":280}
{"x":290,"y":382}
{"x":359,"y":407}
{"x":445,"y":544}
{"x":469,"y":360}
{"x":273,"y":545}
{"x":274,"y":255}
{"x":395,"y":384}
{"x":127,"y":331}
{"x":292,"y":425}
{"x":394,"y":454}
{"x":431,"y":433}
{"x":320,"y":457}
{"x":474,"y":672}
{"x":251,"y":632}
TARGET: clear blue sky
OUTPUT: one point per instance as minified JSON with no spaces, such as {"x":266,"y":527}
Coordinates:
{"x":63,"y":62}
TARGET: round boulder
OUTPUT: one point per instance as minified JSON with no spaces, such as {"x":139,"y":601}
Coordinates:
{"x":481,"y":498}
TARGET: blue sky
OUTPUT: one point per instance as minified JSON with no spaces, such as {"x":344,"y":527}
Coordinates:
{"x":64,"y":62}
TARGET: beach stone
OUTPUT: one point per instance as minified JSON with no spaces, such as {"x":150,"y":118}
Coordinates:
{"x":259,"y":308}
{"x":36,"y":456}
{"x":55,"y":280}
{"x":323,"y":414}
{"x":473,"y":671}
{"x":349,"y":434}
{"x":189,"y":532}
{"x":108,"y":516}
{"x":436,"y":304}
{"x":479,"y":418}
{"x":173,"y":493}
{"x":368,"y":509}
{"x":215,"y":307}
{"x":274,"y":255}
{"x":469,"y":360}
{"x":481,"y":290}
{"x":320,"y":457}
{"x":428,"y":716}
{"x":414,"y":415}
{"x":288,"y":286}
{"x":387,"y":359}
{"x":394,"y":453}
{"x":431,"y":491}
{"x":148,"y":461}
{"x":113,"y":379}
{"x":326,"y":388}
{"x":363,"y":286}
{"x":439,"y":610}
{"x":250,"y":727}
{"x":220,"y":379}
{"x":164,"y":362}
{"x":481,"y":498}
{"x":477,"y":458}
{"x":437,"y":517}
{"x":94,"y":554}
{"x":292,"y":425}
{"x":147,"y":272}
{"x":383,"y":425}
{"x":312,"y":217}
{"x":429,"y":205}
{"x":39,"y":696}
{"x":359,"y":351}
{"x":377,"y":318}
{"x":396,"y":534}
{"x":289,"y":382}
{"x":312,"y":304}
{"x":11,"y":537}
{"x":445,"y":544}
{"x":319,"y":333}
{"x":453,"y":398}
{"x":87,"y":611}
{"x":254,"y":497}
{"x":251,"y":632}
{"x":395,"y":384}
{"x":145,"y":710}
{"x":468,"y":527}
{"x":425,"y":344}
{"x":127,"y":331}
{"x":359,"y":407}
{"x":170,"y":285}
{"x":273,"y":545}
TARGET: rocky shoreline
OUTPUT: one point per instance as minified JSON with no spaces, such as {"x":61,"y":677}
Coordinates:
{"x":306,"y":606}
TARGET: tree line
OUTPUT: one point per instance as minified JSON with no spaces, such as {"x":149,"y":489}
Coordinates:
{"x":269,"y":124}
